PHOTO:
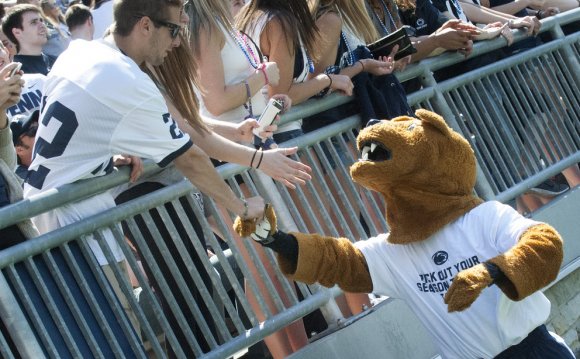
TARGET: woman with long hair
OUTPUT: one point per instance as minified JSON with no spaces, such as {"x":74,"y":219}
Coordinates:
{"x":347,"y":29}
{"x":232,"y":74}
{"x":288,"y":35}
{"x":58,"y":34}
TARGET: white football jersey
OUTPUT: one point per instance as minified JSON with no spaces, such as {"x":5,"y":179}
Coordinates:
{"x":30,"y":97}
{"x":420,"y":273}
{"x":97,"y":103}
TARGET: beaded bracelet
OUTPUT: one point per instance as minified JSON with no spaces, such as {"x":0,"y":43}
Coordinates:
{"x":262,"y":68}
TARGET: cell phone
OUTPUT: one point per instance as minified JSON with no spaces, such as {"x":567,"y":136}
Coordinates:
{"x":268,"y":115}
{"x":16,"y":69}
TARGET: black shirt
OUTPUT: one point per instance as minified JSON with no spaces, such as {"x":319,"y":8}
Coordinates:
{"x":35,"y":64}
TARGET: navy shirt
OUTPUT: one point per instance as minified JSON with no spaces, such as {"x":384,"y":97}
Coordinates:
{"x":35,"y":64}
{"x":426,"y":19}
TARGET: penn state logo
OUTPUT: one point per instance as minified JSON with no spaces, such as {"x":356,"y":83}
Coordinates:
{"x":440,"y":257}
{"x":420,"y":23}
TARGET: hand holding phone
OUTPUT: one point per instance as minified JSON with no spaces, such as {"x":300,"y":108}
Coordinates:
{"x":268,"y":115}
{"x":16,"y":69}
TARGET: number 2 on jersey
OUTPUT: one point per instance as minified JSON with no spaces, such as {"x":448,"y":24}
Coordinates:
{"x":69,"y":124}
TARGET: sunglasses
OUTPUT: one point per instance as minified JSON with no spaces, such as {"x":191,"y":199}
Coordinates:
{"x":173,"y":28}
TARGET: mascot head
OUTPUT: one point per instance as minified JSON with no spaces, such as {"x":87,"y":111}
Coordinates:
{"x":424,"y":170}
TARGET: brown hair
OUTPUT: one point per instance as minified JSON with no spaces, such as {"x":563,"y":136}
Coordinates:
{"x":128,"y":12}
{"x":177,"y":77}
{"x":13,"y":20}
{"x":294,"y":15}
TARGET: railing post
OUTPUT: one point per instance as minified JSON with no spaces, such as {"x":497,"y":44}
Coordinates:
{"x":16,"y":323}
{"x":482,"y":186}
{"x":330,"y":310}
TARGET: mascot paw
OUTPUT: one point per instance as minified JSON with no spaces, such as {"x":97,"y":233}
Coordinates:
{"x":466,"y":287}
{"x":258,"y":230}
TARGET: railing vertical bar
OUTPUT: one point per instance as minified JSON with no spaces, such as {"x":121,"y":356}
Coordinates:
{"x":70,"y":300}
{"x":31,"y":310}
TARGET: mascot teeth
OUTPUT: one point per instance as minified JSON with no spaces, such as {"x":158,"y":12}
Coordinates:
{"x":373,"y":151}
{"x":365,"y":153}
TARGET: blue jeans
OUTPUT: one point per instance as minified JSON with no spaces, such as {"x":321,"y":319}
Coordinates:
{"x":539,"y":344}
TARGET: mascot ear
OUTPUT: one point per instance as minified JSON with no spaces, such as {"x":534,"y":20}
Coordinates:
{"x":434,"y":120}
{"x":402,"y":118}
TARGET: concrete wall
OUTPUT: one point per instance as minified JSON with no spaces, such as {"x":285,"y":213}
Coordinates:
{"x":565,"y":315}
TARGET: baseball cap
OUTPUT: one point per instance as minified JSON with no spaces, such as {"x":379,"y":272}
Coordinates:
{"x":21,"y":124}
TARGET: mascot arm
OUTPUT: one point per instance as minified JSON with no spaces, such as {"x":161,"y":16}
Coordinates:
{"x":524,"y":269}
{"x":310,"y":258}
{"x":532,"y":263}
{"x":329,"y":261}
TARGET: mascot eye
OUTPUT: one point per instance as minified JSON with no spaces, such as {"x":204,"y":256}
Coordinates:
{"x":411,"y":127}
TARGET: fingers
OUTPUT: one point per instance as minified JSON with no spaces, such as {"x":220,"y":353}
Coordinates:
{"x":255,"y":207}
{"x":7,"y":69}
{"x":268,"y":131}
{"x":136,"y":168}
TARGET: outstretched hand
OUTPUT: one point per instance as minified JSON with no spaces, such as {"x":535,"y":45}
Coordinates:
{"x":466,"y":287}
{"x":283,"y":169}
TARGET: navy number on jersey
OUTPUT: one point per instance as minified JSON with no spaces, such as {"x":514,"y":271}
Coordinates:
{"x":173,"y":129}
{"x":68,"y":125}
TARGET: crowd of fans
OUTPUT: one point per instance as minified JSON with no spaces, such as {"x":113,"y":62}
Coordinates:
{"x":209,"y":84}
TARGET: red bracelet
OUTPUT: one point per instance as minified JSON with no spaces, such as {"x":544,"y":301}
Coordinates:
{"x":262,"y":67}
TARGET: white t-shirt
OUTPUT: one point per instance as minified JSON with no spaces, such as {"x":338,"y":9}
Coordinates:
{"x":102,"y":18}
{"x":30,"y":98}
{"x":98,"y":103}
{"x":420,"y":274}
{"x":237,"y":68}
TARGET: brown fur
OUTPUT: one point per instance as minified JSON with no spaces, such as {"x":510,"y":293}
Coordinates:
{"x":329,"y":261}
{"x":245,"y":227}
{"x":426,"y":184}
{"x":422,"y":183}
{"x":532,"y":263}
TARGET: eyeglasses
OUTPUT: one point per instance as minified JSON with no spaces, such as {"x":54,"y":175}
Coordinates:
{"x":173,"y":28}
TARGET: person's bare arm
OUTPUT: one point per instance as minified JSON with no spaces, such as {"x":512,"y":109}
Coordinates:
{"x":453,"y":35}
{"x":275,"y":162}
{"x":483,"y":15}
{"x":273,"y":42}
{"x":515,"y":6}
{"x":196,"y":166}
{"x":217,"y":96}
{"x":10,"y":88}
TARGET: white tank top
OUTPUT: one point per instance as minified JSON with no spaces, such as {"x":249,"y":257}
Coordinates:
{"x":237,"y":68}
{"x":257,"y":31}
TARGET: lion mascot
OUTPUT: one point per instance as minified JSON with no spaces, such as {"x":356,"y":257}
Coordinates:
{"x":470,"y":270}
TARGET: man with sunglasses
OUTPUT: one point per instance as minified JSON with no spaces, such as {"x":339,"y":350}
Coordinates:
{"x":99,"y":103}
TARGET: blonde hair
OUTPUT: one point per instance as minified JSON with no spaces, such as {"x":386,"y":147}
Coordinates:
{"x":177,"y":77}
{"x":353,"y":14}
{"x":207,"y":15}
